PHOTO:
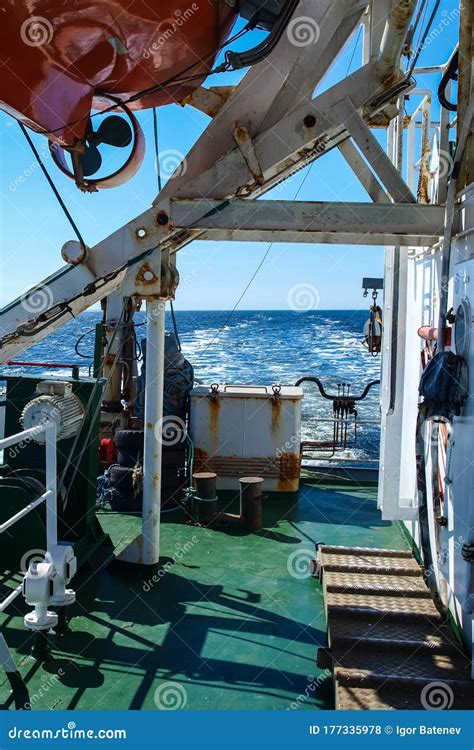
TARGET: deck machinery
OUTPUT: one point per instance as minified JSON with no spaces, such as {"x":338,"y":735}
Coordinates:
{"x":420,"y":208}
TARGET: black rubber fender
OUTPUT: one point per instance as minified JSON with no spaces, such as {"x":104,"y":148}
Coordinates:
{"x":129,"y":440}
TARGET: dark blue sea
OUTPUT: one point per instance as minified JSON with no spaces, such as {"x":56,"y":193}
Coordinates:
{"x":258,"y":347}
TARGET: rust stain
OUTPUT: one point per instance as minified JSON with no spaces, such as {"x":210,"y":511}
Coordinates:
{"x":276,"y":415}
{"x":200,"y":460}
{"x":289,"y":477}
{"x":400,"y":14}
{"x":214,"y":410}
{"x":291,"y":485}
{"x":241,"y":134}
{"x":290,"y":465}
{"x":145,"y":276}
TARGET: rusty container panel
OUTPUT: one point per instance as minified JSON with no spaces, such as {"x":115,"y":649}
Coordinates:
{"x":240,"y":430}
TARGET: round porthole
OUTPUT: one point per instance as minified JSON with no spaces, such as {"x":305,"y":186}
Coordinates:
{"x":463,"y":328}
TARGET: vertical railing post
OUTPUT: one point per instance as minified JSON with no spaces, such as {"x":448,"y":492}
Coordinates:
{"x":51,"y":485}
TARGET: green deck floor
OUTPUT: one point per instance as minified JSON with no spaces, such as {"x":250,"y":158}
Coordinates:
{"x":231,"y":620}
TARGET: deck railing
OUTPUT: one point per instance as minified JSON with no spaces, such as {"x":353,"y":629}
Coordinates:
{"x":49,"y":496}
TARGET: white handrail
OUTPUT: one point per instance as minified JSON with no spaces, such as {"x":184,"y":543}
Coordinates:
{"x":10,"y":598}
{"x":31,"y":432}
{"x":24,"y":511}
{"x":49,"y":428}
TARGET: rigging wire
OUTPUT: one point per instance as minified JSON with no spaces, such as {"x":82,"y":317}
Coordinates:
{"x":99,"y":383}
{"x":414,"y":27}
{"x":175,"y":326}
{"x":157,"y":150}
{"x":421,"y":43}
{"x":354,"y":50}
{"x":52,"y":185}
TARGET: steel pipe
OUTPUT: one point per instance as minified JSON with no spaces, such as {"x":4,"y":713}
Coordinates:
{"x":393,"y":40}
{"x":155,"y":350}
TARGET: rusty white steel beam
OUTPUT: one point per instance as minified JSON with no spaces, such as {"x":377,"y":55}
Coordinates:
{"x":215,"y":167}
{"x":310,"y":222}
{"x":361,"y":170}
{"x":253,"y":98}
{"x":373,"y":152}
{"x":298,"y":139}
{"x":321,"y":42}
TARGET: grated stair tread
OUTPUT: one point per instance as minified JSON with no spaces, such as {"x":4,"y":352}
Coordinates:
{"x":388,"y":643}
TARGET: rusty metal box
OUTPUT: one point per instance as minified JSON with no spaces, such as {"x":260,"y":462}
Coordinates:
{"x":248,"y":430}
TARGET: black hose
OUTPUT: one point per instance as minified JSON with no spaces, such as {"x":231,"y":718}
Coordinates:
{"x":423,"y":512}
{"x":76,"y":345}
{"x":450,"y":74}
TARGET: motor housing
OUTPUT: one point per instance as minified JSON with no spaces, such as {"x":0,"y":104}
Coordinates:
{"x":55,"y":402}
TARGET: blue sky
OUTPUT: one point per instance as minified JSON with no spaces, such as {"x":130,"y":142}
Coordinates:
{"x":33,"y":227}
